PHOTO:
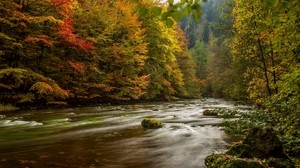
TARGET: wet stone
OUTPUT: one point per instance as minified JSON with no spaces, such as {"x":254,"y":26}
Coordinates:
{"x":151,"y":123}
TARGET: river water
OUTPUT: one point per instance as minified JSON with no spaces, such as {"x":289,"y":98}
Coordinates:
{"x":110,"y":136}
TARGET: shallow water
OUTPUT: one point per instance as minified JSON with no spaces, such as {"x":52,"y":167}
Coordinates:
{"x":111,"y":136}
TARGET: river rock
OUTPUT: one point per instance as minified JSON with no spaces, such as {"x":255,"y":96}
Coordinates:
{"x":209,"y":112}
{"x":261,"y":144}
{"x":151,"y":123}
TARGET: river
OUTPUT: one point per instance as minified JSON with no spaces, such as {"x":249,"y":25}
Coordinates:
{"x":110,"y":136}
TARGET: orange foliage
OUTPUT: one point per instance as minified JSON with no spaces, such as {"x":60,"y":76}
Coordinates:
{"x":39,"y":39}
{"x":77,"y":66}
{"x":66,"y":32}
{"x":66,"y":29}
{"x":21,"y":15}
{"x":168,"y":86}
{"x":60,"y":2}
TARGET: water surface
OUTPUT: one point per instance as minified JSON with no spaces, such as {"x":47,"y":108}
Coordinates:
{"x":111,"y":136}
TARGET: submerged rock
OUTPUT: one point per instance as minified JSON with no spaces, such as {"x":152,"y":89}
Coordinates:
{"x":260,"y":148}
{"x":151,"y":123}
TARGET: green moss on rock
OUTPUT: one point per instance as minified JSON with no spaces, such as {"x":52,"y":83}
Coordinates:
{"x":261,"y":148}
{"x":263,"y":143}
{"x":228,"y":161}
{"x":279,"y":162}
{"x":215,"y":160}
{"x":238,"y":149}
{"x":208,"y":112}
{"x":151,"y":123}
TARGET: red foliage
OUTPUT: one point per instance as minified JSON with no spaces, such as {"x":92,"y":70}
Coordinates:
{"x":66,"y":29}
{"x":66,"y":32}
{"x":77,"y":66}
{"x":60,"y":2}
{"x":20,"y":15}
{"x":42,"y":39}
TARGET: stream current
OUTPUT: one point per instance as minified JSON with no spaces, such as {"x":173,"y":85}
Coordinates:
{"x":110,"y":136}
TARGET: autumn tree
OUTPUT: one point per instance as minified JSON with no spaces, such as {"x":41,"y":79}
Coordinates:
{"x":270,"y":56}
{"x":113,"y":70}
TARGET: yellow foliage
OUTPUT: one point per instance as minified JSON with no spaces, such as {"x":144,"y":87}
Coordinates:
{"x":42,"y":88}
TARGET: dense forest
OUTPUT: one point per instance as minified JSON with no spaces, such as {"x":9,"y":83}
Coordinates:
{"x":68,"y":52}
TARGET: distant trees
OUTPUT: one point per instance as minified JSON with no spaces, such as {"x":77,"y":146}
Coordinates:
{"x":250,"y":47}
{"x":252,"y":54}
{"x":210,"y":40}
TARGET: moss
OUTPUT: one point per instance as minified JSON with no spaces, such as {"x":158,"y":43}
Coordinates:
{"x":263,"y":143}
{"x":238,"y":149}
{"x":208,"y":112}
{"x":261,"y":148}
{"x":279,"y":162}
{"x":228,"y":161}
{"x":215,"y":160}
{"x":151,"y":123}
{"x":243,"y":163}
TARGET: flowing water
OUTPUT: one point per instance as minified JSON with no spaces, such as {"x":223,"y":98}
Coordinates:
{"x":110,"y":136}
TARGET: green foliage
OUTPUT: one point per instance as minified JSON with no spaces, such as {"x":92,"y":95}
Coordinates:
{"x":272,"y":71}
{"x":210,"y":39}
{"x":176,"y":11}
{"x":285,"y":125}
{"x":200,"y":55}
{"x":227,"y":161}
{"x":7,"y":107}
{"x":167,"y":58}
{"x":22,"y":86}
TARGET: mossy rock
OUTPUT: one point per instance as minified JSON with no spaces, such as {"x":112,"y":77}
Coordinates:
{"x":208,"y":112}
{"x":215,"y":160}
{"x":263,"y":142}
{"x":228,"y":161}
{"x":243,"y":163}
{"x":279,"y":162}
{"x":151,"y":123}
{"x":238,"y":149}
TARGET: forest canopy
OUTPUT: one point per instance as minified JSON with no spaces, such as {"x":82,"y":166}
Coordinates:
{"x":67,"y":52}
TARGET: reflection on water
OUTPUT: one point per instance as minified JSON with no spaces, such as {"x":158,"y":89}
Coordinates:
{"x":111,"y":136}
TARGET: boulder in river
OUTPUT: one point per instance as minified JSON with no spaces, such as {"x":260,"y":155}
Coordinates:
{"x":151,"y":123}
{"x":260,"y":146}
{"x":209,"y":112}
